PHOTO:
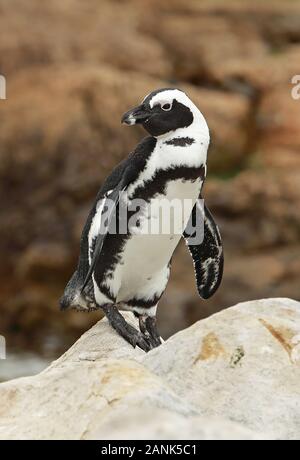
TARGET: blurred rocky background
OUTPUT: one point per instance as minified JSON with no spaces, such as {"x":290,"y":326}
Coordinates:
{"x":72,"y":68}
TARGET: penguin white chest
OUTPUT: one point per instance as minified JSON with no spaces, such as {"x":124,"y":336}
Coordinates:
{"x":146,"y":254}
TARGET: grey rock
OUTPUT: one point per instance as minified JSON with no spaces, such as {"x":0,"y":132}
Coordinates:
{"x":234,"y":375}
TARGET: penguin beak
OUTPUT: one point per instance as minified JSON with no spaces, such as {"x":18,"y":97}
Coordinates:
{"x":135,"y":116}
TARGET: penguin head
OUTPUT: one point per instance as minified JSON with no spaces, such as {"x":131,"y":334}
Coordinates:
{"x":166,"y":110}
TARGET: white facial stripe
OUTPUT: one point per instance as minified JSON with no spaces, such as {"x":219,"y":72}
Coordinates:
{"x":166,"y":97}
{"x":163,"y":101}
{"x":145,"y":97}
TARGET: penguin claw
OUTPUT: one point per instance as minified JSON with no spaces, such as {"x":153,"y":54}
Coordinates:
{"x":146,"y":339}
{"x":143,"y":343}
{"x":149,"y":331}
{"x":136,"y":339}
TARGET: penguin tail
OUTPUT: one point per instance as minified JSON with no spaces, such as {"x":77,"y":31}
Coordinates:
{"x":64,"y":303}
{"x":73,"y":297}
{"x":70,"y":295}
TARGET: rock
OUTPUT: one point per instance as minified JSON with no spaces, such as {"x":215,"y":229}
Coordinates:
{"x":171,"y":426}
{"x":199,"y":59}
{"x":257,"y":209}
{"x":247,"y":366}
{"x":97,"y":40}
{"x":230,"y":376}
{"x":279,"y":118}
{"x":250,"y":55}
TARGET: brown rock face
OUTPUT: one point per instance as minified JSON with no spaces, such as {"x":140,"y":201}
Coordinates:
{"x":72,"y":69}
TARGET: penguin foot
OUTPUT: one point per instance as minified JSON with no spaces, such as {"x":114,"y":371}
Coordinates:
{"x":149,"y":329}
{"x":126,"y":330}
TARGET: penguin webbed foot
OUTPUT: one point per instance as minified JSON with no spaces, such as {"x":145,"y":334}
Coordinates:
{"x":149,"y":329}
{"x":126,"y":330}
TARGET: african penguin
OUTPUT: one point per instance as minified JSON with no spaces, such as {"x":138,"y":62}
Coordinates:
{"x":129,"y":270}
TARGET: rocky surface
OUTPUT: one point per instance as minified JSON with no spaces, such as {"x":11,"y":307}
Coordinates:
{"x":69,"y":78}
{"x":230,"y":376}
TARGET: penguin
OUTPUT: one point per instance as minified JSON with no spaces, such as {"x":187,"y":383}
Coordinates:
{"x":129,"y":269}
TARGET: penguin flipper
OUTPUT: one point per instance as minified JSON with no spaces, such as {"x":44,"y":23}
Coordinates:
{"x":111,"y":201}
{"x":207,"y":254}
{"x":122,"y":175}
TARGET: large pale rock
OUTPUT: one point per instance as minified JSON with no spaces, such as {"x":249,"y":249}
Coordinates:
{"x":242,"y":364}
{"x":226,"y":377}
{"x":142,"y":423}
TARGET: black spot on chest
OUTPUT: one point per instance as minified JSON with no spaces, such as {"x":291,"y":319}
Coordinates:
{"x":180,"y":141}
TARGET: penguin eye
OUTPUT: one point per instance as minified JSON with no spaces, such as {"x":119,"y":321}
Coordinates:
{"x":166,"y":107}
